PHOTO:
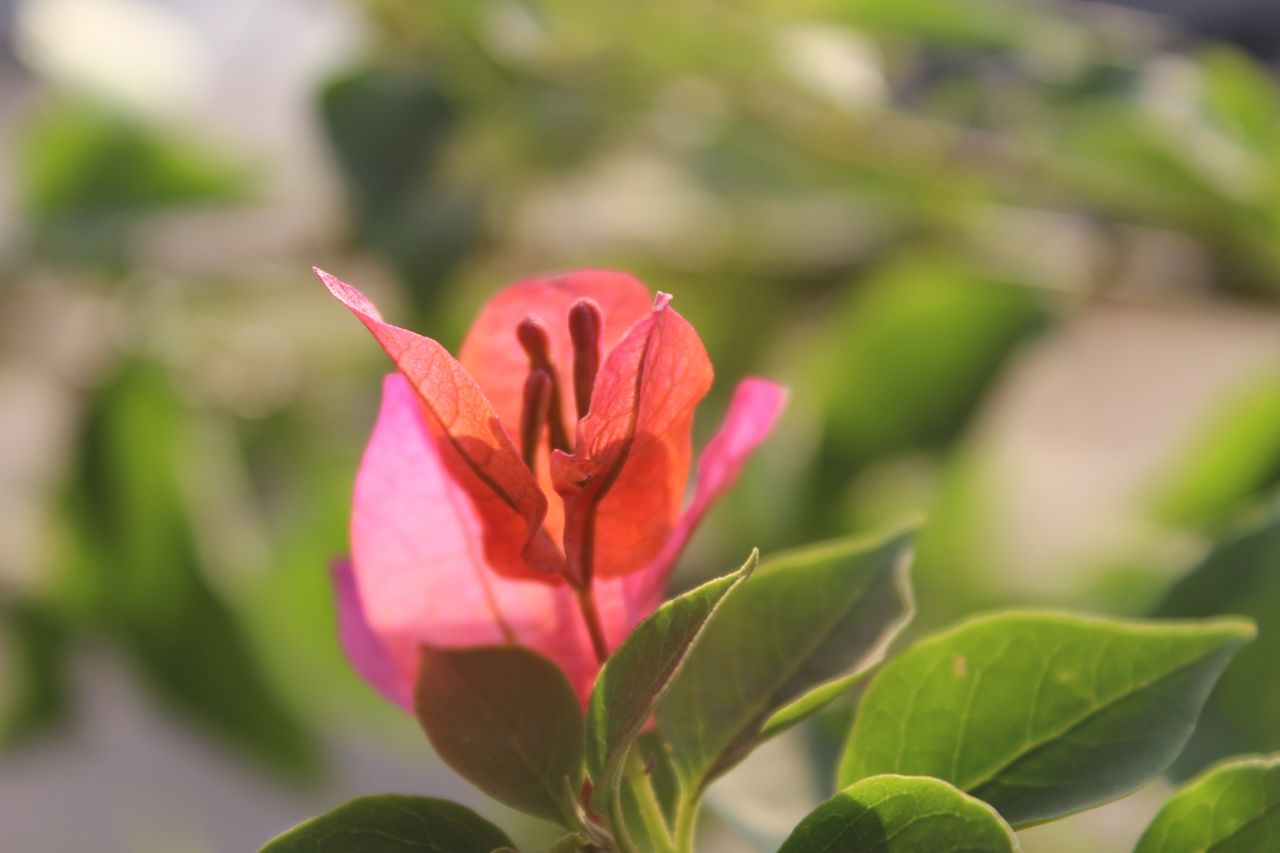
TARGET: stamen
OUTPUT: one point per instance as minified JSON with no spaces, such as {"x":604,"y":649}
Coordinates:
{"x":536,"y":342}
{"x":533,"y":414}
{"x":584,"y":330}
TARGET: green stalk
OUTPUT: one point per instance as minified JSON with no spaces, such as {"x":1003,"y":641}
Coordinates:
{"x":655,"y":824}
{"x":686,"y":823}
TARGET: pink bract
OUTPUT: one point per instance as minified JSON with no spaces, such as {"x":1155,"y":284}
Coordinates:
{"x":457,"y":542}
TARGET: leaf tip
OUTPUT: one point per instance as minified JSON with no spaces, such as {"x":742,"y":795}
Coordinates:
{"x":1237,"y":627}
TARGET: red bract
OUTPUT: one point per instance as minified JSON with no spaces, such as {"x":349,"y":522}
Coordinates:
{"x":561,"y":539}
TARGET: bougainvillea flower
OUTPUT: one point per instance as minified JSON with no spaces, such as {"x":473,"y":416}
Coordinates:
{"x":480,"y":517}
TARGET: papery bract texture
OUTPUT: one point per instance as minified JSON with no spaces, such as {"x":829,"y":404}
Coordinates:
{"x":421,"y":577}
{"x":483,"y":460}
{"x":624,"y":482}
{"x":460,"y":539}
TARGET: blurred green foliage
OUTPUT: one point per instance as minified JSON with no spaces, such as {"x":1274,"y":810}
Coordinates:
{"x":137,"y":577}
{"x":882,"y":203}
{"x":1234,"y":459}
{"x":38,"y":693}
{"x":388,"y":129}
{"x":926,"y":112}
{"x":89,"y":174}
{"x":913,"y":347}
{"x":904,"y":363}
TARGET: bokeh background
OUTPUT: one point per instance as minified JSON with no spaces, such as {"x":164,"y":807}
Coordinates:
{"x":1019,"y":263}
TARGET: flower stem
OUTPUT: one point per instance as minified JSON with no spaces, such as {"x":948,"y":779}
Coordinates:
{"x":655,"y":824}
{"x":587,"y":605}
{"x":686,"y":822}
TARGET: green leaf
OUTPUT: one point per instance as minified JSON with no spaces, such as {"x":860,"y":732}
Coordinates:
{"x":1233,"y":808}
{"x":1041,"y":714}
{"x":811,"y":702}
{"x":803,"y":621}
{"x":901,"y":814}
{"x":391,"y":823}
{"x":507,"y":719}
{"x":638,"y":674}
{"x":1243,"y":713}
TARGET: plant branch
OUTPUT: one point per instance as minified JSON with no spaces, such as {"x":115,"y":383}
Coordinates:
{"x":587,"y":605}
{"x":686,"y":822}
{"x":655,"y":823}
